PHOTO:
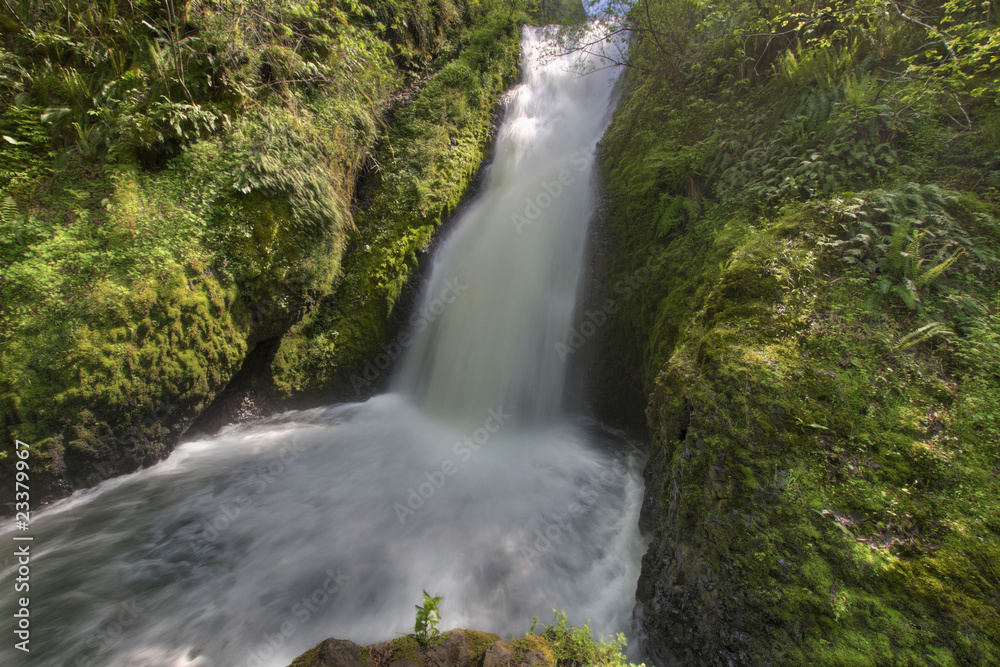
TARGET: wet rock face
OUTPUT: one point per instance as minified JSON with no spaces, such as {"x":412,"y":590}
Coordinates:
{"x":501,"y":653}
{"x":692,"y":613}
{"x":456,"y":649}
{"x":704,"y":515}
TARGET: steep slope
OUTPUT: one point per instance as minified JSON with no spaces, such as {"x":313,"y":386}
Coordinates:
{"x":802,"y":289}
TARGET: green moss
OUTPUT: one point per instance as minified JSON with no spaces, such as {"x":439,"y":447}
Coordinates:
{"x":405,"y":648}
{"x":309,"y":657}
{"x":480,"y":643}
{"x":818,"y":481}
{"x":534,"y":643}
{"x":823,"y":479}
{"x":88,"y":359}
{"x":429,"y":160}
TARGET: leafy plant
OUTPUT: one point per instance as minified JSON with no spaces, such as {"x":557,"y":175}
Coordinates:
{"x":909,"y":237}
{"x":921,"y":335}
{"x":576,"y":647}
{"x":425,"y":629}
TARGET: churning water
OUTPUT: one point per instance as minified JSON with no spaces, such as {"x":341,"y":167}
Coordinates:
{"x":468,"y":481}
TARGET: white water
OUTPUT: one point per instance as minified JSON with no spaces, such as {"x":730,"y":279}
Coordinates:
{"x":512,"y":266}
{"x":251,"y":547}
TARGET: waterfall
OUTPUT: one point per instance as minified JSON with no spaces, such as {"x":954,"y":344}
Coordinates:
{"x":248,"y":548}
{"x":503,"y":288}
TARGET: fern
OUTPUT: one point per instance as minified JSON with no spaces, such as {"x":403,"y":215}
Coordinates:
{"x":425,"y":628}
{"x":675,"y":210}
{"x":8,"y":210}
{"x":932,"y":274}
{"x":896,"y":232}
{"x":895,"y":257}
{"x":922,"y":334}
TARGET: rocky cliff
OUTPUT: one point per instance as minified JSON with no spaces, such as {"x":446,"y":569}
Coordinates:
{"x":800,"y":284}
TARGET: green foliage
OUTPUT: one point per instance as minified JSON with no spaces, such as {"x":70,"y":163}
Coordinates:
{"x":979,"y":355}
{"x":576,"y":647}
{"x":894,"y":230}
{"x":114,"y":78}
{"x":769,"y":104}
{"x":425,"y":628}
{"x":820,"y":490}
{"x":277,"y":157}
{"x":960,"y":55}
{"x":25,"y":156}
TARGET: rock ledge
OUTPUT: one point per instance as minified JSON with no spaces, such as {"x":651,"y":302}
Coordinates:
{"x":455,"y":648}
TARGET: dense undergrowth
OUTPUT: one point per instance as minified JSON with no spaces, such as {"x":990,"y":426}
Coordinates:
{"x":177,"y":184}
{"x":818,"y":341}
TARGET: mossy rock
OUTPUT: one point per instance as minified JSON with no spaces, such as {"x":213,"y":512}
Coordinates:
{"x":455,"y":648}
{"x":430,"y":158}
{"x":813,"y":492}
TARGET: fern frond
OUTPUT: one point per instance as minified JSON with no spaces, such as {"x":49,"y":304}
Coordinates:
{"x":894,"y":254}
{"x":931,"y":274}
{"x":8,"y":210}
{"x":922,"y":334}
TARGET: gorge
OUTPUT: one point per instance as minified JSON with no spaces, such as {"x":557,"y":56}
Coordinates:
{"x":311,"y":307}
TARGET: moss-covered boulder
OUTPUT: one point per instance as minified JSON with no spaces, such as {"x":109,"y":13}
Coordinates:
{"x":455,"y":648}
{"x":818,"y":486}
{"x":558,"y":644}
{"x":804,"y":301}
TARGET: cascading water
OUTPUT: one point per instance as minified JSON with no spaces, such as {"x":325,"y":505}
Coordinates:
{"x":249,"y":548}
{"x":513,"y":264}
